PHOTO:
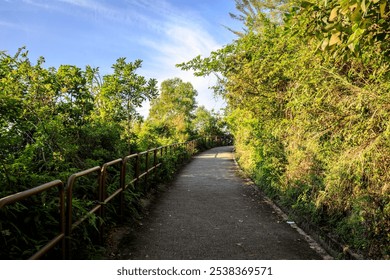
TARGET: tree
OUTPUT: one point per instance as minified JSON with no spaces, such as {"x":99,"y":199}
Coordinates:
{"x":207,"y":123}
{"x":124,"y":91}
{"x":28,"y":95}
{"x":57,"y":120}
{"x":74,"y":99}
{"x":253,"y":12}
{"x":171,"y":113}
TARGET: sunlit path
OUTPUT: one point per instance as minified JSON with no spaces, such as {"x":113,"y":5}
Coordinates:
{"x":209,"y":212}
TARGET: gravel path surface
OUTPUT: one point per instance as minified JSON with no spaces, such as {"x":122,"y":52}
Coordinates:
{"x":209,"y":212}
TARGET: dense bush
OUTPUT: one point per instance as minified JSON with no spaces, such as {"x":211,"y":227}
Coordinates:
{"x":308,"y":92}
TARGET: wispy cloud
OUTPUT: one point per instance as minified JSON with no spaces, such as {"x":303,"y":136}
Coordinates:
{"x":183,"y":35}
{"x":166,"y":34}
{"x":99,"y":8}
{"x":84,"y":3}
{"x":38,"y":3}
{"x":8,"y":24}
{"x":89,"y":4}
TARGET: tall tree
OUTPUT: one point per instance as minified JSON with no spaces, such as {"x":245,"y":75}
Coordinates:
{"x":253,"y":12}
{"x":207,"y":123}
{"x":172,"y":112}
{"x":124,"y":91}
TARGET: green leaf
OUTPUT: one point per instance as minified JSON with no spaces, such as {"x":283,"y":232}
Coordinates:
{"x":329,"y":27}
{"x":354,"y":39}
{"x":324,"y":44}
{"x":334,"y":13}
{"x":356,"y":14}
{"x":306,"y":4}
{"x":382,"y":8}
{"x":363,"y":6}
{"x":335,"y":39}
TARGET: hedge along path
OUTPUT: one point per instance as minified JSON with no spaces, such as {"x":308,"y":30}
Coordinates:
{"x":209,"y":212}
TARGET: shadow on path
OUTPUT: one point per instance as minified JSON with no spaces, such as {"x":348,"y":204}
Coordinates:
{"x":209,"y":212}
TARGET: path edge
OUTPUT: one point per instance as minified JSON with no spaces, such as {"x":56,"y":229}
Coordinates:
{"x":315,"y":243}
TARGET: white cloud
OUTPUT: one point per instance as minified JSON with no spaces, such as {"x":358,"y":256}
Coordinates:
{"x":166,"y":35}
{"x":83,"y":3}
{"x":183,"y":38}
{"x":8,"y":24}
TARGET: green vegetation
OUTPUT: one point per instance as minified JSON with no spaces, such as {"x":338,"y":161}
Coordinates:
{"x":171,"y":114}
{"x":307,"y":86}
{"x":56,"y":122}
{"x":308,"y":90}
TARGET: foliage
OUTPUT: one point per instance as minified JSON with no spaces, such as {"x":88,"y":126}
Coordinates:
{"x":206,"y":123}
{"x":172,"y":112}
{"x":54,"y":122}
{"x":308,"y":105}
{"x":348,"y":27}
{"x":53,"y":119}
{"x":122,"y":92}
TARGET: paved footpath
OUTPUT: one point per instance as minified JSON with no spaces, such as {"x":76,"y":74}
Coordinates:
{"x":209,"y":212}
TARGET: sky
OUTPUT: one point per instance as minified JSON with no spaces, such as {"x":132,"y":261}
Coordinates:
{"x":161,"y":33}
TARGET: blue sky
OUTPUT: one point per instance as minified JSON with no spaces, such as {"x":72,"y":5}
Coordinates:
{"x":97,"y":32}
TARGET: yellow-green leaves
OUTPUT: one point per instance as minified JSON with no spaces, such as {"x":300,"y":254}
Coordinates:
{"x":335,"y":39}
{"x":347,"y":27}
{"x":324,"y":44}
{"x":382,"y":8}
{"x":172,"y":111}
{"x":355,"y":37}
{"x":334,"y":13}
{"x":364,"y":6}
{"x":313,"y":123}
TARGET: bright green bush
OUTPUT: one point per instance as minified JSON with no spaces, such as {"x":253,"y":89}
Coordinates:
{"x":308,"y":93}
